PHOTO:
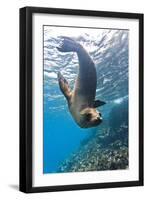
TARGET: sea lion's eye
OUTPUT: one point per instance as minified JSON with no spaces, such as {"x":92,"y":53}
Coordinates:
{"x":88,"y":116}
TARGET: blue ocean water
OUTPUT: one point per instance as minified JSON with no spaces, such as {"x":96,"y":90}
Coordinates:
{"x":109,"y":50}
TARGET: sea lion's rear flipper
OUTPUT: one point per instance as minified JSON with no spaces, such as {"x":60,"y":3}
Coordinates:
{"x":68,"y":45}
{"x":98,"y":103}
{"x":64,"y":86}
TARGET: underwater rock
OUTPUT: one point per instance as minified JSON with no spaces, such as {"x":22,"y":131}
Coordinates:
{"x":98,"y":154}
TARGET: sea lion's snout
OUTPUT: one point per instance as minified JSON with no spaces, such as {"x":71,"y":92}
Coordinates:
{"x":98,"y":119}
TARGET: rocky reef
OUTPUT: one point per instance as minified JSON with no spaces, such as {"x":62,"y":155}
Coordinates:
{"x":101,"y":152}
{"x":106,"y":149}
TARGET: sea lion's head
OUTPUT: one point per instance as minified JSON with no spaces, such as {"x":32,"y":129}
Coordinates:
{"x":90,"y":117}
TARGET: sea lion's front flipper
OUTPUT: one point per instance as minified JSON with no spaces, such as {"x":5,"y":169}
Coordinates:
{"x":64,"y":86}
{"x":98,"y":103}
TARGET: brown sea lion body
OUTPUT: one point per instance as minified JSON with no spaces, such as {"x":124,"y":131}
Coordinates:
{"x":81,"y":101}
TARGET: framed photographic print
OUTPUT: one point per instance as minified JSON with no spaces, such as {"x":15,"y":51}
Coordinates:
{"x":81,"y":99}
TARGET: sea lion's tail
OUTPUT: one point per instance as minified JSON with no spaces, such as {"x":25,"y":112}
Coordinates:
{"x":68,"y":45}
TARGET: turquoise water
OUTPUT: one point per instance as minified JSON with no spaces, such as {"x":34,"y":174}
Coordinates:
{"x":109,"y":50}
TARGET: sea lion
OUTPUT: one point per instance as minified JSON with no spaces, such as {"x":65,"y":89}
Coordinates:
{"x":81,"y":101}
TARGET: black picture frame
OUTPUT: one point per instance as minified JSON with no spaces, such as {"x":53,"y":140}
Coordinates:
{"x":26,"y":98}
